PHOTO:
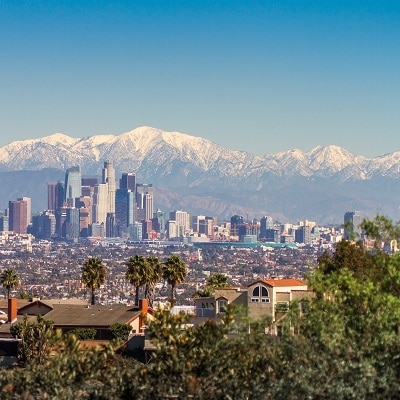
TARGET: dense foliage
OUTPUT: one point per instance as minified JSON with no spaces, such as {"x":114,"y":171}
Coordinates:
{"x":121,"y":331}
{"x":345,"y":345}
{"x":84,"y":333}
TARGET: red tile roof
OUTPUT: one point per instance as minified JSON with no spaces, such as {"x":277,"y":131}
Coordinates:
{"x":283,"y":282}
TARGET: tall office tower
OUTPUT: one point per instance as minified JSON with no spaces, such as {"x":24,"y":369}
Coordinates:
{"x":182,"y":220}
{"x":110,"y":225}
{"x":248,"y":229}
{"x":158,"y":222}
{"x":109,"y":179}
{"x":352,"y":221}
{"x":72,"y":224}
{"x":28,"y":208}
{"x":73,"y":185}
{"x":148,"y":206}
{"x":173,"y":229}
{"x":51,"y":195}
{"x":147,"y":229}
{"x":128,"y":181}
{"x":196,"y":220}
{"x":4,"y":223}
{"x":135,"y":231}
{"x":125,"y":207}
{"x":303,"y":234}
{"x":84,"y":221}
{"x":86,"y":203}
{"x":18,"y":216}
{"x":61,"y":217}
{"x":97,"y":230}
{"x":141,"y":190}
{"x":206,"y":226}
{"x":100,"y":205}
{"x":266,"y":223}
{"x":236,"y":222}
{"x":271,"y":235}
{"x":44,"y":225}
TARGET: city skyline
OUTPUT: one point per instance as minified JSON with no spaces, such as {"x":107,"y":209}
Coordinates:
{"x":258,"y":76}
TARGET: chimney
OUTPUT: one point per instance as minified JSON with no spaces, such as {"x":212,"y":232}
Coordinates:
{"x":12,"y":310}
{"x":143,"y":308}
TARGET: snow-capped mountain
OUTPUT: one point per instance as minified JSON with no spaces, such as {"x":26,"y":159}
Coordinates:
{"x":282,"y":183}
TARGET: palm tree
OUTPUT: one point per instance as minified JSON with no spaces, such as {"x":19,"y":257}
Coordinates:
{"x":93,"y":274}
{"x":10,"y":280}
{"x":137,"y":274}
{"x":153,"y":276}
{"x":174,"y":272}
{"x":217,"y":280}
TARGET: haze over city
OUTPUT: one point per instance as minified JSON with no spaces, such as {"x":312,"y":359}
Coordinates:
{"x":259,"y":76}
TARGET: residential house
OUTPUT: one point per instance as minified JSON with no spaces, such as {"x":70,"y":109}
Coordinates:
{"x":262,"y":299}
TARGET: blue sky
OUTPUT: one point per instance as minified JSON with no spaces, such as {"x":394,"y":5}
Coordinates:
{"x":259,"y":76}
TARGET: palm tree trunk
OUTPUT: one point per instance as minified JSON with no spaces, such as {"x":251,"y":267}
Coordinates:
{"x":150,"y":295}
{"x":8,"y":293}
{"x":172,"y":295}
{"x":137,"y":296}
{"x":92,"y":302}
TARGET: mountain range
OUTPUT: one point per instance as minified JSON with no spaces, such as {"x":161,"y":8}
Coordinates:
{"x":201,"y":177}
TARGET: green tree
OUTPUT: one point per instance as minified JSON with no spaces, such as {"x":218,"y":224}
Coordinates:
{"x":10,"y":280}
{"x":174,"y":272}
{"x":84,"y":333}
{"x":121,"y":331}
{"x":36,"y":339}
{"x":93,"y":275}
{"x":137,"y":274}
{"x":215,"y":281}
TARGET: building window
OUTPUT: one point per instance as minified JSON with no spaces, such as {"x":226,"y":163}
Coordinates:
{"x":260,"y":295}
{"x":222,"y":305}
{"x":282,"y":306}
{"x":305,"y":307}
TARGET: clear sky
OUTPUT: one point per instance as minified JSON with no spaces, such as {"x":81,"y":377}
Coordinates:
{"x":260,"y":76}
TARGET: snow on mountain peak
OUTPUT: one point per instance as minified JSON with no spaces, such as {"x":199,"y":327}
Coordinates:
{"x":332,"y":157}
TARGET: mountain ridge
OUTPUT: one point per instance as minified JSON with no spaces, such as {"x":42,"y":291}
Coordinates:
{"x":190,"y":166}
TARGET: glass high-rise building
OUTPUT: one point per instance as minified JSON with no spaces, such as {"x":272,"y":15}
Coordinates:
{"x":73,"y":185}
{"x":128,"y":181}
{"x":352,"y":221}
{"x":124,"y":207}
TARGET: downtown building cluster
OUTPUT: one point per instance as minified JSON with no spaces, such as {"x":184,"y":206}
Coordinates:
{"x":83,"y":207}
{"x":107,"y":207}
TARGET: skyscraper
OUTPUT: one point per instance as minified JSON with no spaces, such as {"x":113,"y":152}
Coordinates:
{"x":266,"y":223}
{"x":141,"y":190}
{"x":148,"y":205}
{"x":73,"y":185}
{"x":128,"y":181}
{"x":18,"y":216}
{"x":100,"y":204}
{"x":125,"y":207}
{"x":352,"y":221}
{"x":72,"y":224}
{"x":109,"y":179}
{"x":55,"y":195}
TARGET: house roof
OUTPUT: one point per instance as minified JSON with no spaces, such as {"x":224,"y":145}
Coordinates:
{"x":283,"y":282}
{"x":70,"y":315}
{"x":4,"y":304}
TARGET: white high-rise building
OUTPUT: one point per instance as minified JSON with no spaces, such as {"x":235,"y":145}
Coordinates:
{"x":109,"y":179}
{"x":100,"y":203}
{"x":148,"y":203}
